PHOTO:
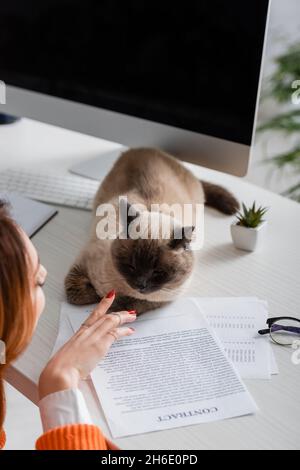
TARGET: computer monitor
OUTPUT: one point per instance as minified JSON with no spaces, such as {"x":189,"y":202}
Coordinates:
{"x":180,"y":76}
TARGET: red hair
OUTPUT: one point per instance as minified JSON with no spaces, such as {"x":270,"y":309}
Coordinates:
{"x":17,"y":319}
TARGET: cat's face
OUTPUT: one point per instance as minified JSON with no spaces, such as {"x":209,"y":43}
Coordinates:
{"x":152,"y":265}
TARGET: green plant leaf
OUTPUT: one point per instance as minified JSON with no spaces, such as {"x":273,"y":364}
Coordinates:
{"x":286,"y":122}
{"x":251,"y":217}
{"x":293,"y":192}
{"x":287,"y":71}
{"x":291,"y":158}
{"x":280,"y":88}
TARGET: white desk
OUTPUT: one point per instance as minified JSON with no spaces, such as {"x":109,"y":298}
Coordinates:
{"x":273,"y":275}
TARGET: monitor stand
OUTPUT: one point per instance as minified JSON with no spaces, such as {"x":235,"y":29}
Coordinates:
{"x":97,"y":168}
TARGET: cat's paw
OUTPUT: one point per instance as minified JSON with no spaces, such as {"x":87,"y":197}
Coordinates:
{"x":79,"y":289}
{"x":123,"y":302}
{"x":130,"y":303}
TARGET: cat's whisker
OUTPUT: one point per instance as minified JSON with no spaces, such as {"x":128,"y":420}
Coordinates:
{"x":165,"y":289}
{"x":179,"y":289}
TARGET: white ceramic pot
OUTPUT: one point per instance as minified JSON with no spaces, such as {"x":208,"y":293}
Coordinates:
{"x":249,"y":239}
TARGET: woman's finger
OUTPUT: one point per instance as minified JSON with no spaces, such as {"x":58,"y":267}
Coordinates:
{"x":114,"y":335}
{"x":112,"y":321}
{"x":101,"y":309}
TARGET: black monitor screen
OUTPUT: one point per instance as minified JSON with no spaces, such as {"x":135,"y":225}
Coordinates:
{"x":193,"y":64}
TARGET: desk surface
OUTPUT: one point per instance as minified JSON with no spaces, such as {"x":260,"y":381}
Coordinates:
{"x":272,"y":275}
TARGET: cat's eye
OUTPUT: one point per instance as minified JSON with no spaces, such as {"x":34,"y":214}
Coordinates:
{"x":158,"y":273}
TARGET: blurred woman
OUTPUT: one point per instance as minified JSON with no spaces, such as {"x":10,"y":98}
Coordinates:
{"x":65,"y":418}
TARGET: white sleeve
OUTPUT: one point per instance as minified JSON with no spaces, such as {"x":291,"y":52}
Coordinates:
{"x":62,"y":408}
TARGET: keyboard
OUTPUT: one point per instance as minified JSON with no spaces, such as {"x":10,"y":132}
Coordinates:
{"x":70,"y":191}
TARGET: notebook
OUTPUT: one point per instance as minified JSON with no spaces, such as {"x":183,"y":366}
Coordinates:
{"x":30,"y":215}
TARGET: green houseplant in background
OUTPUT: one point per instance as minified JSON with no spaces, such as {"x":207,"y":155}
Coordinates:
{"x":281,"y":89}
{"x":248,"y":231}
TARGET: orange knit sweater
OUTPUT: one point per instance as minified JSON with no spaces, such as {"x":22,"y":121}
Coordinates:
{"x":71,"y":437}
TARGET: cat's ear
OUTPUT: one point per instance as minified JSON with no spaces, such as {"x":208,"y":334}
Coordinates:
{"x":128,"y":213}
{"x":79,"y":288}
{"x":182,"y":238}
{"x":132,"y":213}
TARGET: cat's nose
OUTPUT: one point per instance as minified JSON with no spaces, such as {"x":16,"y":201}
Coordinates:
{"x":142,"y":285}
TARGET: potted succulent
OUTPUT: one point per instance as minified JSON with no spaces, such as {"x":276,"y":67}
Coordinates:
{"x":249,"y":229}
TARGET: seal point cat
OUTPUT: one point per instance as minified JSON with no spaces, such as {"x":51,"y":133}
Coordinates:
{"x":145,"y":272}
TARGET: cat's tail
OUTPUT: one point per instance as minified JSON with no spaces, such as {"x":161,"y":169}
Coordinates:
{"x":220,"y":198}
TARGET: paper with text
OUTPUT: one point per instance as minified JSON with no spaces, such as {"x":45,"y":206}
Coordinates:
{"x":171,"y":373}
{"x":236,"y":322}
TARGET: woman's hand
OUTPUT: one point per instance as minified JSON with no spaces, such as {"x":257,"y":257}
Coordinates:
{"x":80,"y":355}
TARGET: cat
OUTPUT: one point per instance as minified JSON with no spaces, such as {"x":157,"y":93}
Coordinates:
{"x":146,"y":273}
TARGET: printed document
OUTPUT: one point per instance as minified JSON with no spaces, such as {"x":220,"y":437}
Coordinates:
{"x":171,"y":373}
{"x":236,"y":322}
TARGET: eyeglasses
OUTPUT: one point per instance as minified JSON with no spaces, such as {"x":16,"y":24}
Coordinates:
{"x":283,"y":330}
